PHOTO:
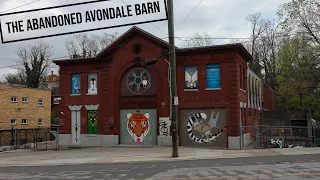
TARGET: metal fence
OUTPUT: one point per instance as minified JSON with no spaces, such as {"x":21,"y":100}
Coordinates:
{"x":260,"y":137}
{"x":37,"y":138}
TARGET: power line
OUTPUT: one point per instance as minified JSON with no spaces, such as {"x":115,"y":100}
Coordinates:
{"x":10,"y":66}
{"x":36,"y":13}
{"x":20,"y":6}
{"x":189,"y":14}
{"x":244,"y":38}
{"x":3,"y":1}
{"x":147,"y":20}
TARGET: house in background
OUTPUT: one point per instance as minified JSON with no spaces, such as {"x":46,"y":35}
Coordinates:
{"x":50,"y":81}
{"x":24,"y":108}
{"x":114,"y":98}
{"x":55,"y":99}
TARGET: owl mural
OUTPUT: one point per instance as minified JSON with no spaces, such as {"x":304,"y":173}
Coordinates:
{"x":92,"y":83}
{"x":191,"y":77}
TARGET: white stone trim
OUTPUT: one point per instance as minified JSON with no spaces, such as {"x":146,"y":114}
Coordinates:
{"x":92,"y":107}
{"x":75,"y":108}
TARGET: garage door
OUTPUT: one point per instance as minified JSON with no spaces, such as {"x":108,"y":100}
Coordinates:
{"x":203,"y":127}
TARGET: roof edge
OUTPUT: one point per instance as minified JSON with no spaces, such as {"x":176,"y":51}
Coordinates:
{"x":140,"y":31}
{"x":237,"y":46}
{"x":78,"y":60}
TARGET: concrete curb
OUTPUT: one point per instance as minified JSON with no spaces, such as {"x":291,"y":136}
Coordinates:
{"x":197,"y":154}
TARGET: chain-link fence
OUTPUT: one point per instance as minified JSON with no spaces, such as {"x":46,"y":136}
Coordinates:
{"x":37,"y":139}
{"x":262,"y":136}
{"x":316,"y":132}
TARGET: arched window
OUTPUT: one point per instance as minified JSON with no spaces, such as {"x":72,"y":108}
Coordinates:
{"x":138,"y":81}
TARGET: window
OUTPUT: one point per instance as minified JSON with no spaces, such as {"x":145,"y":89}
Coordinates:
{"x":24,"y":121}
{"x":13,"y":121}
{"x":54,"y":78}
{"x":40,"y":102}
{"x":249,"y":91}
{"x":213,"y":76}
{"x":191,"y":77}
{"x":241,"y":79}
{"x":245,"y":116}
{"x":39,"y":122}
{"x":75,"y":84}
{"x":24,"y":99}
{"x":244,"y":79}
{"x":14,"y":99}
{"x":92,"y":83}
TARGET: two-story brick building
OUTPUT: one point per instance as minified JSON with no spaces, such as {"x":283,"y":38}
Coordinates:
{"x":24,"y":108}
{"x":114,"y":98}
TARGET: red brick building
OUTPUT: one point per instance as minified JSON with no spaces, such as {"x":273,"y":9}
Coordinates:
{"x":114,"y":98}
{"x":50,"y":81}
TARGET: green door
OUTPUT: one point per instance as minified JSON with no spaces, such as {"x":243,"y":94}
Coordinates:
{"x":138,"y":127}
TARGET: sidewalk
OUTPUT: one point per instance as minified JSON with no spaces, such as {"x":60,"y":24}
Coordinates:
{"x":128,"y":154}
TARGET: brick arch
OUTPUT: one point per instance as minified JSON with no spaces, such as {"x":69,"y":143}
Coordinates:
{"x":116,"y":98}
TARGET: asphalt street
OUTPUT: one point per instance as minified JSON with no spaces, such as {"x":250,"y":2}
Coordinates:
{"x":266,"y":167}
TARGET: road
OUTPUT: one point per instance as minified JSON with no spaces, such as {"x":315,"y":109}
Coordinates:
{"x":266,"y":167}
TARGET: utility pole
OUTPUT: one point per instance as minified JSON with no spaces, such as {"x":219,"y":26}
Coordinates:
{"x":172,"y":55}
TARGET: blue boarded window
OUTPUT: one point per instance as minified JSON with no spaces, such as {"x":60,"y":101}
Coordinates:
{"x":213,"y":76}
{"x":75,"y":86}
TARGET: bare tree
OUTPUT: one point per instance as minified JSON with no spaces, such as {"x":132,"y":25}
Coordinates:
{"x":266,"y":40}
{"x":267,"y":49}
{"x":301,"y":16}
{"x":199,"y":40}
{"x":34,"y":61}
{"x":15,"y":78}
{"x":89,"y":46}
{"x":258,"y":27}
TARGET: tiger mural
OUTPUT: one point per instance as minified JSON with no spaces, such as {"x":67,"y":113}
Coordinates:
{"x":138,"y":125}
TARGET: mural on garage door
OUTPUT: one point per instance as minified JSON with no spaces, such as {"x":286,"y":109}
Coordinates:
{"x":138,"y":127}
{"x":203,"y":127}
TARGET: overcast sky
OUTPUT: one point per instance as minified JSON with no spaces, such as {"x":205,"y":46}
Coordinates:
{"x":219,"y":18}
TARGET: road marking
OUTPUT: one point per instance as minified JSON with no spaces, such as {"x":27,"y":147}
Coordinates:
{"x":151,"y":166}
{"x":123,"y":170}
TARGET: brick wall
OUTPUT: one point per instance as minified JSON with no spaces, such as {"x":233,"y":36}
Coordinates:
{"x":268,"y":98}
{"x":20,"y":110}
{"x":110,"y":72}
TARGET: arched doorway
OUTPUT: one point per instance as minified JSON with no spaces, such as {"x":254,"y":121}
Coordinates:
{"x":138,"y":114}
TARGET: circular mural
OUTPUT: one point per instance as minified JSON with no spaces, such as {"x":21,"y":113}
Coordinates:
{"x":202,"y":128}
{"x":138,"y":80}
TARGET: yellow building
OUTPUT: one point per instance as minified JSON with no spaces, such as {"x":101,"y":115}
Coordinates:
{"x":24,"y":108}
